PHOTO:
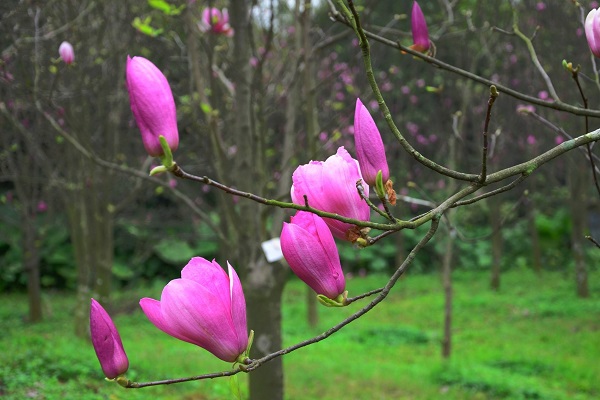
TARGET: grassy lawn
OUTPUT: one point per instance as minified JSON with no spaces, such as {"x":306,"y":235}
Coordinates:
{"x":532,"y":340}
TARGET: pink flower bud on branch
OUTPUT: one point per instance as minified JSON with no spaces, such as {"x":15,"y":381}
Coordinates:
{"x":152,"y":105}
{"x":419,"y":29}
{"x":308,"y":247}
{"x":592,"y":31}
{"x":107,"y":342}
{"x":369,"y":146}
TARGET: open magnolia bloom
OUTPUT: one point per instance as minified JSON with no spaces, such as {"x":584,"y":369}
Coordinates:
{"x":330,"y":186}
{"x":152,"y":105}
{"x":205,"y":307}
{"x":107,"y":342}
{"x":309,"y":249}
{"x":216,"y":22}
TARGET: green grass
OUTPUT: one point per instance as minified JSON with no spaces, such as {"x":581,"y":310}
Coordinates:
{"x":533,"y":340}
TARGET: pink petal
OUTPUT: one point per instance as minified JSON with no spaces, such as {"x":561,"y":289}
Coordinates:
{"x":191,"y":310}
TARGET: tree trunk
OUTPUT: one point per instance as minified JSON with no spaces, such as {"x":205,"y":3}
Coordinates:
{"x":536,"y":251}
{"x":31,"y":263}
{"x":495,"y":222}
{"x":263,"y":282}
{"x":577,"y":179}
{"x":447,"y":283}
{"x":263,"y":288}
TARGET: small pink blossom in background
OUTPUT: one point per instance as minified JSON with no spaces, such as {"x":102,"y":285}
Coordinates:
{"x":559,"y":140}
{"x":412,"y":128}
{"x":433,"y":138}
{"x":404,"y":191}
{"x":540,"y":6}
{"x":413,"y":99}
{"x":394,"y":70}
{"x":579,"y":32}
{"x":509,"y":47}
{"x":422,"y":140}
{"x":354,"y":42}
{"x":405,"y":89}
{"x":420,"y":83}
{"x":374,"y":105}
{"x":594,"y":4}
{"x":291,"y":29}
{"x":173,"y":183}
{"x":205,"y":307}
{"x":215,"y":21}
{"x":42,"y":207}
{"x":513,"y":59}
{"x":232,"y":150}
{"x":531,"y":140}
{"x":253,"y":62}
{"x":205,"y":188}
{"x":543,"y":95}
{"x":323,"y":136}
{"x":441,"y":184}
{"x":386,"y":86}
{"x":66,"y":52}
{"x":340,"y":96}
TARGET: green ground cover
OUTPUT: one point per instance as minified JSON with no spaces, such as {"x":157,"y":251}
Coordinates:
{"x":533,"y":340}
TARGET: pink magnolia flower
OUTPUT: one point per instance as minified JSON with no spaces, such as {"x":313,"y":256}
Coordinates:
{"x":152,"y":105}
{"x":65,"y":50}
{"x":419,"y":29}
{"x":369,"y":146}
{"x":216,"y":22}
{"x":308,"y":247}
{"x":592,"y":31}
{"x":330,"y":186}
{"x":205,"y":307}
{"x":107,"y":342}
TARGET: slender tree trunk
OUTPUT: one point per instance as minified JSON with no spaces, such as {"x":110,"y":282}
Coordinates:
{"x":447,"y":283}
{"x":447,"y":262}
{"x":577,"y":180}
{"x":536,"y":251}
{"x":31,"y":263}
{"x":496,"y":222}
{"x":263,"y":282}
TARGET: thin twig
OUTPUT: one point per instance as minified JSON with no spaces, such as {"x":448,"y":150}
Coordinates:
{"x":490,"y":193}
{"x":488,"y":117}
{"x":575,"y":76}
{"x":556,"y":105}
{"x":591,"y":239}
{"x":361,"y":193}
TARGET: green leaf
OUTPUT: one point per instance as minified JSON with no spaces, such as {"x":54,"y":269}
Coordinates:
{"x":145,"y":28}
{"x":174,"y":251}
{"x":160,"y":5}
